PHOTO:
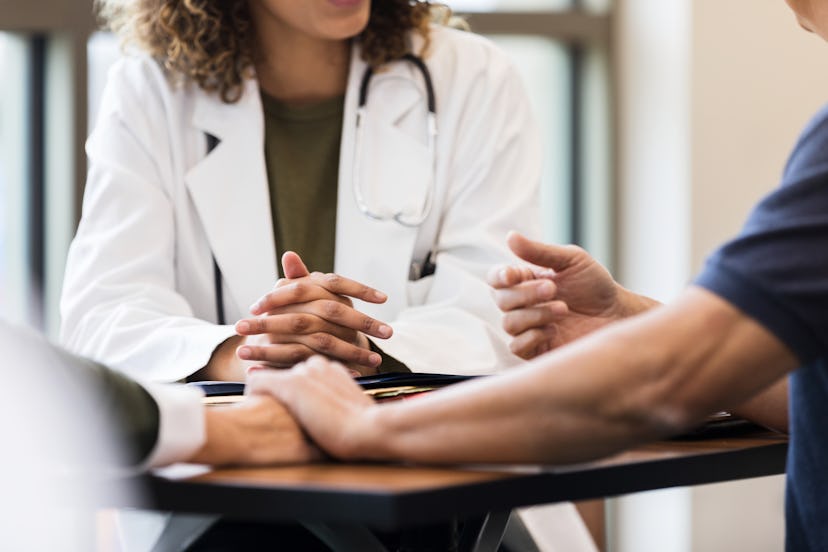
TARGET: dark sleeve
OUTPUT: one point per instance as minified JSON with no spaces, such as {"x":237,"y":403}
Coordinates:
{"x":389,"y":363}
{"x":776,"y":269}
{"x":130,"y":410}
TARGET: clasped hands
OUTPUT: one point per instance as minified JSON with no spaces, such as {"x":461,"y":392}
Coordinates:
{"x":560,"y":296}
{"x":312,"y":313}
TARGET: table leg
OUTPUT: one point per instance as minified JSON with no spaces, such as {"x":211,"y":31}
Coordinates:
{"x":346,"y":538}
{"x":181,"y":531}
{"x":485,"y":533}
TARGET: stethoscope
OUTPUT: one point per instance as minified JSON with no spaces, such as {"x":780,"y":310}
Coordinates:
{"x":406,"y":218}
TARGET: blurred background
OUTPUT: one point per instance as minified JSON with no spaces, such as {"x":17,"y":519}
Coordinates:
{"x":663,"y":122}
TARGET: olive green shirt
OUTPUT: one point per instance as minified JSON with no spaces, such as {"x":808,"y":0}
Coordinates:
{"x":124,"y":403}
{"x":302,"y":158}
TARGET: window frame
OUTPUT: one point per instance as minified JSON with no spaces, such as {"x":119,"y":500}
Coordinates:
{"x":580,"y":31}
{"x":56,"y":33}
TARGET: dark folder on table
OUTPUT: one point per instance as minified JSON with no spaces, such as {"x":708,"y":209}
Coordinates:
{"x":395,"y":385}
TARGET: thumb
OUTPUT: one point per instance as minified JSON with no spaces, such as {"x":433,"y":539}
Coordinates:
{"x":293,"y":266}
{"x":556,"y":257}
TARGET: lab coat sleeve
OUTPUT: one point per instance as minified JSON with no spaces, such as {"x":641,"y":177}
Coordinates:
{"x":452,"y":324}
{"x":119,"y":303}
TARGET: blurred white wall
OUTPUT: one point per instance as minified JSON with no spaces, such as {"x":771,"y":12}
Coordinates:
{"x":712,"y":96}
{"x":757,"y":79}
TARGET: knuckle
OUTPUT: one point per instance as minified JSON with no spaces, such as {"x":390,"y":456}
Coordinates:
{"x":536,"y":335}
{"x":360,"y":356}
{"x":299,"y":323}
{"x":368,"y":324}
{"x":332,"y":309}
{"x":323,"y":342}
{"x":265,"y":301}
{"x":297,"y":354}
{"x":298,"y":290}
{"x":333,"y":280}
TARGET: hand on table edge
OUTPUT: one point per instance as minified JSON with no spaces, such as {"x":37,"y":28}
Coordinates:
{"x":258,"y":431}
{"x":329,"y":405}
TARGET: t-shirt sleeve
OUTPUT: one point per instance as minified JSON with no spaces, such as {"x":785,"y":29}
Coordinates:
{"x":776,"y":269}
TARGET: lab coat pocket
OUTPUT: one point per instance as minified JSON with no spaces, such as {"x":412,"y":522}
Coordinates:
{"x":417,"y":291}
{"x":399,"y":176}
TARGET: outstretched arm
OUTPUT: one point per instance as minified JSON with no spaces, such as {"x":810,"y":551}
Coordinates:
{"x":651,"y":376}
{"x":565,"y":294}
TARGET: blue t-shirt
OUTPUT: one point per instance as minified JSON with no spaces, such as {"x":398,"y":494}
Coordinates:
{"x":776,"y":272}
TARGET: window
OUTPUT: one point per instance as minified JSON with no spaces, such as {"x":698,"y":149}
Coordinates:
{"x":54,"y":74}
{"x":561,"y":49}
{"x":42,"y":162}
{"x":15,"y":292}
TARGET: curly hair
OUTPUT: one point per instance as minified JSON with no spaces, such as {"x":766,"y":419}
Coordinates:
{"x":209,"y":41}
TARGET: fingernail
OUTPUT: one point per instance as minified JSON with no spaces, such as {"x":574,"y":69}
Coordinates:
{"x":374,"y":359}
{"x":254,"y":308}
{"x":243,"y":326}
{"x":380,"y":296}
{"x":354,"y":373}
{"x":385,"y":331}
{"x":503,"y":275}
{"x":245,"y":353}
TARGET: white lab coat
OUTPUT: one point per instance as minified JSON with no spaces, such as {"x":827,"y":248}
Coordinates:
{"x":139,"y":289}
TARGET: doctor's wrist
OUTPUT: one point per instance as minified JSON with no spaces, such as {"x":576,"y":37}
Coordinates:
{"x":224,"y":365}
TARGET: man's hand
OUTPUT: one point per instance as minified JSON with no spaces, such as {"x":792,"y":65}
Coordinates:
{"x":566,"y":295}
{"x":257,"y":431}
{"x":324,"y":400}
{"x":312,"y":313}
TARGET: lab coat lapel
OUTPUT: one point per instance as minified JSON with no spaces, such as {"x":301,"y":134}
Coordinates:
{"x":230,"y":192}
{"x":394,"y":156}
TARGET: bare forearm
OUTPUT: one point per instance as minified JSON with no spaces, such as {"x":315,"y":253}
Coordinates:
{"x":544,"y":413}
{"x":769,"y":408}
{"x":633,"y":303}
{"x":646,"y":378}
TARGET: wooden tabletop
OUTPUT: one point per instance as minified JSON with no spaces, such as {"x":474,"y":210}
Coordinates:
{"x":394,"y":496}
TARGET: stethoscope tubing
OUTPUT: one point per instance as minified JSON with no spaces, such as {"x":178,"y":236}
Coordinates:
{"x":400,"y":217}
